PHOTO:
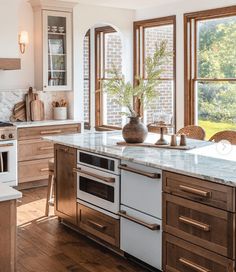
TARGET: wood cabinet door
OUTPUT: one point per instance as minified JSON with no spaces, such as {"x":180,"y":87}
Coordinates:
{"x":65,"y":161}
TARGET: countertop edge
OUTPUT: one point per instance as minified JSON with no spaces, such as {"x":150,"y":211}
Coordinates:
{"x":165,"y":168}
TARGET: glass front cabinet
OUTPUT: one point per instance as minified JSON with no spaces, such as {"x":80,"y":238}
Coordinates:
{"x":53,"y":47}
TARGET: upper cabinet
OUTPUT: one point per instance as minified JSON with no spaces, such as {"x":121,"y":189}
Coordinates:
{"x":53,"y":45}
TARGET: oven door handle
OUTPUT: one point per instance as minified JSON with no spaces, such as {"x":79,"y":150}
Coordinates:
{"x":93,"y":175}
{"x":6,"y":145}
{"x":137,"y":221}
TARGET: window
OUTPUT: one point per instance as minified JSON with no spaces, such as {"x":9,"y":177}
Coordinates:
{"x":210,"y":69}
{"x":148,"y":34}
{"x":86,"y":56}
{"x":108,"y":48}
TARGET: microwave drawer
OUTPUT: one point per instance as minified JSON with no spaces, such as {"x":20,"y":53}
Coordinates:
{"x":182,"y":256}
{"x":205,"y":226}
{"x":141,"y":236}
{"x":141,"y":188}
{"x":99,"y":162}
{"x":98,"y":188}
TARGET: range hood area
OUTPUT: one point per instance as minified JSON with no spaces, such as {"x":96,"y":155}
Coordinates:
{"x":10,"y":64}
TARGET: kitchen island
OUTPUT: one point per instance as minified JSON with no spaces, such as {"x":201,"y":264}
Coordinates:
{"x":8,"y":197}
{"x":171,"y":209}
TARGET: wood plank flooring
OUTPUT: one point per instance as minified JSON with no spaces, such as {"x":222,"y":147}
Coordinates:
{"x":45,"y":245}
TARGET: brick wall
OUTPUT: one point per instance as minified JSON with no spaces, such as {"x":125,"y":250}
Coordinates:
{"x":86,"y":79}
{"x":113,"y":49}
{"x":164,"y":99}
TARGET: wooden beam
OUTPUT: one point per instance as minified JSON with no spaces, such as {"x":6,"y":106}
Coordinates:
{"x":10,"y":64}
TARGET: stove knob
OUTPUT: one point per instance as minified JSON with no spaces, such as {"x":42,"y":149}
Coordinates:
{"x":3,"y":136}
{"x":11,"y":136}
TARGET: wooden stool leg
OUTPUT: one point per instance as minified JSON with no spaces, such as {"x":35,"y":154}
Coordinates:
{"x":50,"y":178}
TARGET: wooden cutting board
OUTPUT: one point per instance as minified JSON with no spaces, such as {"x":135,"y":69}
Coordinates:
{"x":19,"y":112}
{"x":37,"y":110}
{"x":29,"y":97}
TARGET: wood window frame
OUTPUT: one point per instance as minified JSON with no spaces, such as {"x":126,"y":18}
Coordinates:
{"x":190,"y":63}
{"x":87,"y":125}
{"x":139,"y":29}
{"x":100,"y":75}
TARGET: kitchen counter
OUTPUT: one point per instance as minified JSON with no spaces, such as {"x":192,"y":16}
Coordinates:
{"x":45,"y":123}
{"x":8,"y":193}
{"x":206,"y":161}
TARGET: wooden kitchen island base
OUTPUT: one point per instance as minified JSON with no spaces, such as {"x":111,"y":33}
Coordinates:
{"x":8,"y":236}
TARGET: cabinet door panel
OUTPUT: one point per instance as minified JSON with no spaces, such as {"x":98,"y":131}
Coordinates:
{"x":181,"y":256}
{"x":65,"y":158}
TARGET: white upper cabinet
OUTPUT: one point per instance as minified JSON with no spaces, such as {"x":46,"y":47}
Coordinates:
{"x":53,"y":45}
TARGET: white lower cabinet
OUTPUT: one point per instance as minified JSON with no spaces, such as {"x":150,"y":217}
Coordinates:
{"x":141,"y":236}
{"x":141,"y":188}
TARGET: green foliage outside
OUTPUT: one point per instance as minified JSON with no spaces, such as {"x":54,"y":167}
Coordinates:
{"x":212,"y":127}
{"x":217,"y":59}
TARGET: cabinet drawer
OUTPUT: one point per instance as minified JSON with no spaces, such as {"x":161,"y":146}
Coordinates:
{"x":100,"y":225}
{"x":33,"y":170}
{"x":205,"y":226}
{"x":141,"y":236}
{"x":38,"y":132}
{"x":202,"y":191}
{"x":141,"y":188}
{"x":35,"y":149}
{"x":181,"y":256}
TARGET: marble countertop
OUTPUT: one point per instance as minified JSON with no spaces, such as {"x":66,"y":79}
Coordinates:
{"x":8,"y":193}
{"x":207,"y":160}
{"x":45,"y":123}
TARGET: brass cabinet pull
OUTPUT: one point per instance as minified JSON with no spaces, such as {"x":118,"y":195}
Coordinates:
{"x":99,"y":226}
{"x":194,"y":223}
{"x":140,"y":172}
{"x":105,"y":179}
{"x":137,"y":221}
{"x":50,"y":132}
{"x":194,"y":266}
{"x":46,"y":148}
{"x":194,"y":191}
{"x":6,"y":145}
{"x":44,"y":170}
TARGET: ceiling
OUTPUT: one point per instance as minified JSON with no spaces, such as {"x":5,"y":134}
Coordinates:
{"x":128,"y":4}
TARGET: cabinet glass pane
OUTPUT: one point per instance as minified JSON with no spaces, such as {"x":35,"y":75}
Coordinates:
{"x":57,"y":68}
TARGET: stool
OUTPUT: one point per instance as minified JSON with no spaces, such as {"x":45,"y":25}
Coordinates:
{"x":50,"y":191}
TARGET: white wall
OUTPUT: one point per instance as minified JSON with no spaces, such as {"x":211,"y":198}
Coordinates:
{"x":179,"y":9}
{"x":15,"y":16}
{"x":85,"y":17}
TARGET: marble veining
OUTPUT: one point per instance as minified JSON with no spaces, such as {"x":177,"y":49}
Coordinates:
{"x":203,"y":165}
{"x":9,"y":98}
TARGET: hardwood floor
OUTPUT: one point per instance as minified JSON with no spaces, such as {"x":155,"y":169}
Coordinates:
{"x":45,"y":245}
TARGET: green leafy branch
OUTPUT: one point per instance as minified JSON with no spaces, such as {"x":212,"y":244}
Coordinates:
{"x":124,"y":93}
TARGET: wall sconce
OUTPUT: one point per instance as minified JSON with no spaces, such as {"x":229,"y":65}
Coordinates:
{"x":23,"y":40}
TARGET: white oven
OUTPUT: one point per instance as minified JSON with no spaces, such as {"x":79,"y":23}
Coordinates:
{"x":98,"y":181}
{"x":8,"y":157}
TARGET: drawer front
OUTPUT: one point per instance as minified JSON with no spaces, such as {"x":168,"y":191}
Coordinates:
{"x":139,"y":239}
{"x":34,"y":149}
{"x":33,"y":170}
{"x":100,"y":225}
{"x":205,"y":226}
{"x":181,"y":256}
{"x":139,"y":191}
{"x":38,"y":132}
{"x":202,"y":191}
